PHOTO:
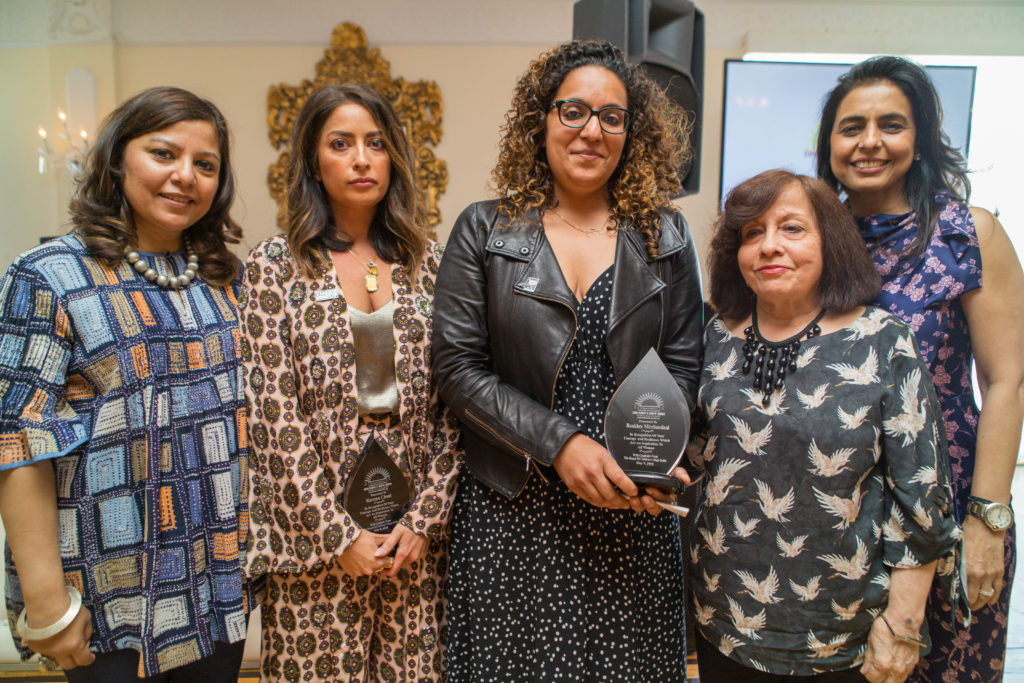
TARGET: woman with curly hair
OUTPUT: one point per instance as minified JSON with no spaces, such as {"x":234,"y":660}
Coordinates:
{"x":122,"y":439}
{"x":336,"y":349}
{"x":548,"y":296}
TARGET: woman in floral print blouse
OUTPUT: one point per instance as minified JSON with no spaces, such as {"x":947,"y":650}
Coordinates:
{"x":336,"y":348}
{"x":826,"y":510}
{"x":882,"y":144}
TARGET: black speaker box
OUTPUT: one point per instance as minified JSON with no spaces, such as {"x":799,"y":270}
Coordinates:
{"x":665,"y":37}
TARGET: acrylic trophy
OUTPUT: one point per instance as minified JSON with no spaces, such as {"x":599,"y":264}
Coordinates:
{"x":647,"y":424}
{"x":377,"y":494}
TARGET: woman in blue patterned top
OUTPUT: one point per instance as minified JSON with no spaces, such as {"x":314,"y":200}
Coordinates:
{"x":121,"y":413}
{"x":882,"y":144}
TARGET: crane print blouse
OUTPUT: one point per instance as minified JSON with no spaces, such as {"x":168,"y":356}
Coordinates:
{"x":810,"y":502}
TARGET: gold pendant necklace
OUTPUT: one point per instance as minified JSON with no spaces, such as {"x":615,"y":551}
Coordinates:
{"x":371,"y":272}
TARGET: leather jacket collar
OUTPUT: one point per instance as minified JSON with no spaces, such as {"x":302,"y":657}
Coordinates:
{"x":524,"y":240}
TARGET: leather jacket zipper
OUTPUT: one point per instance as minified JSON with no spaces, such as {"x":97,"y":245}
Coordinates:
{"x":491,"y":430}
{"x":565,"y":354}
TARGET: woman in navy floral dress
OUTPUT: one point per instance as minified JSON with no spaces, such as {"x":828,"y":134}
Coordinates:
{"x":882,"y":144}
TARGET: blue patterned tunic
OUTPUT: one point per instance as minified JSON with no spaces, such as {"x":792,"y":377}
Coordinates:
{"x":133,"y":393}
{"x":925,"y":291}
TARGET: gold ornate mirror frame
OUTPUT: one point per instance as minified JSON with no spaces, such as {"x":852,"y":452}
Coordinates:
{"x":418,"y":106}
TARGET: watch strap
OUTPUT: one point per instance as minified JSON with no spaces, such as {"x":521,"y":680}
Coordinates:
{"x":978,"y":507}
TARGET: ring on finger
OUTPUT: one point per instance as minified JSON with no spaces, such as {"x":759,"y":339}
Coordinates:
{"x":48,"y":663}
{"x":986,"y":592}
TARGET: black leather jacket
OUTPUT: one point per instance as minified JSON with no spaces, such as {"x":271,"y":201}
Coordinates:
{"x":504,"y":320}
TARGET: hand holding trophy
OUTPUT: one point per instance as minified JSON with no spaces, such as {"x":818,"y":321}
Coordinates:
{"x":646,"y":427}
{"x":377,"y":494}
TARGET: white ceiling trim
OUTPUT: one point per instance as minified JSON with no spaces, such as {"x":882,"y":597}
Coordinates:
{"x":900,"y":25}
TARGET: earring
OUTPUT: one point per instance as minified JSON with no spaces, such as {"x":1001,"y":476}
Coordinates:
{"x":917,"y":156}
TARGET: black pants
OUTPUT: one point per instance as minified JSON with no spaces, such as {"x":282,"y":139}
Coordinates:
{"x":122,"y":666}
{"x":717,"y":668}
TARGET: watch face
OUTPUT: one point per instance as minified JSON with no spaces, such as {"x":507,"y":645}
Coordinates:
{"x":999,"y":516}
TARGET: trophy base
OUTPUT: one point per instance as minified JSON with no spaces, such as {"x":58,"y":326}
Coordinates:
{"x":666,"y":483}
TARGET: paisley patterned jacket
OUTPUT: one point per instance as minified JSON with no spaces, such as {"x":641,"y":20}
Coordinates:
{"x":306,"y":433}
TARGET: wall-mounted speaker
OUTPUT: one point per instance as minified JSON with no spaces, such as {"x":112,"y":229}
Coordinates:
{"x":666,"y":38}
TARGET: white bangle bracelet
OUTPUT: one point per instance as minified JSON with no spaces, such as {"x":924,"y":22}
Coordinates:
{"x":26,"y":633}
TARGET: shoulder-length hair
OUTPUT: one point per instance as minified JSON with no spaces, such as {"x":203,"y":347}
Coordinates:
{"x":648,"y":173}
{"x":940,"y":166}
{"x":100,"y":212}
{"x":396,"y":231}
{"x":848,"y":276}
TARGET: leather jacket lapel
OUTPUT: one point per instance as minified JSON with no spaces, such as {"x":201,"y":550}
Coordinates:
{"x":631,"y":266}
{"x":542,"y":277}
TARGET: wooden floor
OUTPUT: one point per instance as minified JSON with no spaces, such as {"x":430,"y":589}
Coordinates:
{"x":246,"y":676}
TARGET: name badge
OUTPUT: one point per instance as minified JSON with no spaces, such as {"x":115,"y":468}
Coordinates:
{"x":530,"y":284}
{"x":326,"y":294}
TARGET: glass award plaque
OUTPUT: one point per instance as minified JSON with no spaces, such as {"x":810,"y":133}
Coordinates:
{"x":647,"y":424}
{"x":377,"y":494}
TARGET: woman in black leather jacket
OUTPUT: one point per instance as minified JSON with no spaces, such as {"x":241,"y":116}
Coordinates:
{"x":546,"y":299}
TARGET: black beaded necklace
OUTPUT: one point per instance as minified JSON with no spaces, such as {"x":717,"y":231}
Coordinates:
{"x":771,"y":359}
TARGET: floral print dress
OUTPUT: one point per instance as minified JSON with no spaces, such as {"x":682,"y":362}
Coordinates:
{"x":812,"y":500}
{"x":319,"y":623}
{"x":925,"y":291}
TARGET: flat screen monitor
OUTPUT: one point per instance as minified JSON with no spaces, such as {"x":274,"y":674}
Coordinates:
{"x":771,"y":113}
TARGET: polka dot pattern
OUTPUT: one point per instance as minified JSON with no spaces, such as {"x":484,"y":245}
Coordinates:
{"x":547,"y":587}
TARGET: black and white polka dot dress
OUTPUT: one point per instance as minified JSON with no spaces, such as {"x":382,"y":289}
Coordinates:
{"x":547,"y":587}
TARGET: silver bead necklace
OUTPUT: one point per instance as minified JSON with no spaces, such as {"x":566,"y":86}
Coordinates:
{"x":134,"y":259}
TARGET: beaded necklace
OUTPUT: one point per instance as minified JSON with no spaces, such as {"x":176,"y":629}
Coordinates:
{"x":769,"y":359}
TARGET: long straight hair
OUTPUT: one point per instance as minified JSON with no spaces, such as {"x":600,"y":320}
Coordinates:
{"x":940,"y":167}
{"x":100,"y":212}
{"x":395,"y":232}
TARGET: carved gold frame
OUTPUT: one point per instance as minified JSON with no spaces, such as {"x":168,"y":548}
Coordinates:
{"x":418,"y":106}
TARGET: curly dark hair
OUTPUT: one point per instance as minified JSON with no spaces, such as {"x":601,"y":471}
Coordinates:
{"x":848,"y":276}
{"x":941,"y":166}
{"x":648,"y":173}
{"x":396,"y":232}
{"x":101,"y":214}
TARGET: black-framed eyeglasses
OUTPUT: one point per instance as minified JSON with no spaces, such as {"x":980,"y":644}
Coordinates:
{"x":576,"y":114}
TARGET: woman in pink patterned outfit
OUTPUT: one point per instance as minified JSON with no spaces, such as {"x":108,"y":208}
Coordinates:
{"x":336,"y":345}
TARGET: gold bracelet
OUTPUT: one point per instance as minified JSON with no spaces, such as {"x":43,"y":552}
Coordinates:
{"x":910,"y":640}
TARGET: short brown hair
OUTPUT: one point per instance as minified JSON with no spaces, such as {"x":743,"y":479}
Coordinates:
{"x":101,"y":213}
{"x":848,"y":277}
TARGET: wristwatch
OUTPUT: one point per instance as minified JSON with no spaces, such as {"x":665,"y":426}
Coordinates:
{"x":998,"y":516}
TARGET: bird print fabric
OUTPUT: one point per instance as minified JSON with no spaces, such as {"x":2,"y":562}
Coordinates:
{"x":810,"y":501}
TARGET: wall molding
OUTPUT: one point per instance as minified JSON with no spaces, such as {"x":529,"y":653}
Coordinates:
{"x":906,"y":26}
